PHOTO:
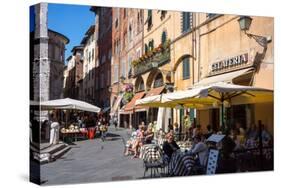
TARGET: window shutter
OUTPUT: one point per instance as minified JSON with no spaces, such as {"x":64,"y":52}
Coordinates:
{"x":164,"y":37}
{"x":186,"y":21}
{"x":146,"y":48}
{"x":186,"y":68}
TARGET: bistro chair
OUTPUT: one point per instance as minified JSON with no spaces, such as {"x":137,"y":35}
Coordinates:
{"x":152,"y":156}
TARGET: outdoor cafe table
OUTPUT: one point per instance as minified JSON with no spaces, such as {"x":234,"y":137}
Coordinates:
{"x":181,"y":163}
{"x":150,"y":152}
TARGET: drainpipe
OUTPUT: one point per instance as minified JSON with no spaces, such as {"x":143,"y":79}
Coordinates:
{"x":192,"y":46}
{"x":199,"y":53}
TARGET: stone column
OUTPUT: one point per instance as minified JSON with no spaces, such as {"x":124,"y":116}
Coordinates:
{"x":41,"y":63}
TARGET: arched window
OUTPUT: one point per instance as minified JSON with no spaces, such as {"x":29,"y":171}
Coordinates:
{"x":139,"y":84}
{"x":158,"y":81}
{"x":164,"y":37}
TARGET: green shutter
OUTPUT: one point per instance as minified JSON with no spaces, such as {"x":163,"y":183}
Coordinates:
{"x":149,"y":13}
{"x":191,"y":115}
{"x":186,"y":68}
{"x":145,"y":48}
{"x":164,"y":37}
{"x":185,"y":21}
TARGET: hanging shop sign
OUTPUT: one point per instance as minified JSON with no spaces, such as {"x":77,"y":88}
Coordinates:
{"x":229,"y":64}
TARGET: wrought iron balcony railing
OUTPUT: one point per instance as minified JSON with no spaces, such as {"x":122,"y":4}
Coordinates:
{"x":152,"y":60}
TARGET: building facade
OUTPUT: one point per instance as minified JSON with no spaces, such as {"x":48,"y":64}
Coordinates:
{"x":223,"y":49}
{"x":159,"y":51}
{"x":89,"y":43}
{"x":48,"y":58}
{"x":74,"y":76}
{"x":127,"y":41}
{"x":197,"y":46}
{"x":103,"y":35}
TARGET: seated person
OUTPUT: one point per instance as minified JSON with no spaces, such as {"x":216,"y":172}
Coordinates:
{"x":130,"y":143}
{"x":148,"y":136}
{"x":200,"y":149}
{"x":170,"y":146}
{"x":139,"y":141}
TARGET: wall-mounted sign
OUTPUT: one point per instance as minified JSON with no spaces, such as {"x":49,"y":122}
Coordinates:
{"x":229,"y":63}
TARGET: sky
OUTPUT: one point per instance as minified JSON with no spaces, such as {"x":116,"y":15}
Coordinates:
{"x":70,"y":20}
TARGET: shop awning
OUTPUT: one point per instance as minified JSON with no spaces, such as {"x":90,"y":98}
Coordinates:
{"x":116,"y":104}
{"x":153,"y":96}
{"x":227,"y":77}
{"x":130,"y":106}
{"x":154,"y":91}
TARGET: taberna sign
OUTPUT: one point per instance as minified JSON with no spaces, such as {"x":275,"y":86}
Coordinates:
{"x":229,"y":63}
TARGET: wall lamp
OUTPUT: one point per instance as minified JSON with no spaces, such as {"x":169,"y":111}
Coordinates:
{"x":245,"y":23}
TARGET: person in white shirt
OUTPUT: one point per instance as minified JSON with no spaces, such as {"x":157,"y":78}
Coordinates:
{"x":201,"y":149}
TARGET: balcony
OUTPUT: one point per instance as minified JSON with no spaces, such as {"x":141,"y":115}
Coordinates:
{"x":153,"y":59}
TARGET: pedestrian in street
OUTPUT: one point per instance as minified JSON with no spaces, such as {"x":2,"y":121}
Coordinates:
{"x":103,"y":129}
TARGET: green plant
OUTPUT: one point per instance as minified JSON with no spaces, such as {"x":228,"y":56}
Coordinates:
{"x":128,"y":96}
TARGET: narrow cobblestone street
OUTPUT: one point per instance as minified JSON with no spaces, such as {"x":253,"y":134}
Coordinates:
{"x":94,"y":161}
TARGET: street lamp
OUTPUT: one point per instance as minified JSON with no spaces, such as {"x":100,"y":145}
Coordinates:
{"x":245,"y":23}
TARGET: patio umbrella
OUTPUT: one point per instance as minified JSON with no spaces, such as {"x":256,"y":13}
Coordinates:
{"x":68,"y":103}
{"x":221,"y":93}
{"x":214,"y":95}
{"x":174,"y":100}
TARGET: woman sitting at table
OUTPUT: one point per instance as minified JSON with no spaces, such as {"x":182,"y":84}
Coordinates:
{"x":138,"y":142}
{"x":200,"y":149}
{"x":170,"y":146}
{"x":148,"y":136}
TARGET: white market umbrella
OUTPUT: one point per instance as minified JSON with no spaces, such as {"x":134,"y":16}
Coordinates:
{"x":68,"y":103}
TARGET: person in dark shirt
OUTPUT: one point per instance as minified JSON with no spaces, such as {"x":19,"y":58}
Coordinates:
{"x":170,"y":146}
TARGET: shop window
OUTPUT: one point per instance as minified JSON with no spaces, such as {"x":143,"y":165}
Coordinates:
{"x":164,"y":37}
{"x":186,"y":21}
{"x":185,"y":68}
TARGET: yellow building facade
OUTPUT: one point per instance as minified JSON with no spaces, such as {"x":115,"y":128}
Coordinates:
{"x":206,"y":47}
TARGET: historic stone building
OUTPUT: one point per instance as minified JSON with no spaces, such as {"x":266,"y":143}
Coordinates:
{"x":127,"y":40}
{"x":89,"y":43}
{"x":103,"y":35}
{"x":74,"y":79}
{"x":184,"y":49}
{"x":47,"y":58}
{"x":226,"y":52}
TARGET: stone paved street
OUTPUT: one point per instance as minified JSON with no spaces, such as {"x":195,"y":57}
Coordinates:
{"x":94,"y":161}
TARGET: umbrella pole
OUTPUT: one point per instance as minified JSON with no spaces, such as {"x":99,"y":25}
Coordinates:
{"x":222,"y":117}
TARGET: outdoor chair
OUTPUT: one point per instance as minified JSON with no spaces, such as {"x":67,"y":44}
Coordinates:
{"x":154,"y":168}
{"x":154,"y":162}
